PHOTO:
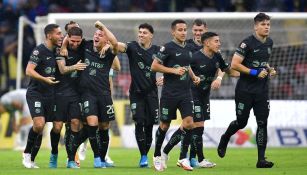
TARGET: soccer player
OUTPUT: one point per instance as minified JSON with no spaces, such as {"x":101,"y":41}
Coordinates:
{"x":96,"y":94}
{"x":174,"y":60}
{"x":198,"y":28}
{"x":68,"y":100}
{"x":40,"y":94}
{"x":16,"y":101}
{"x":143,"y":95}
{"x":251,"y":60}
{"x":206,"y":63}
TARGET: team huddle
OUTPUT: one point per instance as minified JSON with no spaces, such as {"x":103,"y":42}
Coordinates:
{"x":70,"y":84}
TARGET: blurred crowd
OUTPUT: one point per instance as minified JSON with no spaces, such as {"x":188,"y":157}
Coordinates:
{"x":10,"y":10}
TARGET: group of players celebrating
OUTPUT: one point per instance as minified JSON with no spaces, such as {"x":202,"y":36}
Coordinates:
{"x":70,"y":83}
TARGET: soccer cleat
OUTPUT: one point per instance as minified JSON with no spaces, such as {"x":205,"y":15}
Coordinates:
{"x":97,"y":162}
{"x":103,"y":164}
{"x":221,"y":149}
{"x":109,"y":160}
{"x":26,"y":160}
{"x":264,"y":164}
{"x":185,"y":164}
{"x":72,"y":164}
{"x":143,"y":161}
{"x":157,"y":162}
{"x":164,"y":158}
{"x":206,"y":164}
{"x":109,"y":164}
{"x":82,"y":151}
{"x":33,"y":165}
{"x":194,"y":162}
{"x":53,"y":161}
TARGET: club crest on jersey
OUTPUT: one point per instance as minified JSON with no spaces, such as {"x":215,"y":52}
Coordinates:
{"x":48,"y":70}
{"x":217,"y":65}
{"x":243,"y":45}
{"x":35,"y":52}
{"x":162,"y":48}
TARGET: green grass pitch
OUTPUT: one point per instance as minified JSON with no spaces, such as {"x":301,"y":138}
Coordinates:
{"x":238,"y":161}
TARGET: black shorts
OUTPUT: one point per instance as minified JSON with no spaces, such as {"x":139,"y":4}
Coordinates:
{"x":145,"y":109}
{"x":41,"y":106}
{"x":246,"y":101}
{"x":67,"y":108}
{"x":201,"y":107}
{"x":100,"y":106}
{"x":169,"y":106}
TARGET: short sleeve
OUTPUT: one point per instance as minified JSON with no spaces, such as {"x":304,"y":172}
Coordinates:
{"x":223,"y":65}
{"x":162,"y":54}
{"x":242,"y":49}
{"x":35,"y":57}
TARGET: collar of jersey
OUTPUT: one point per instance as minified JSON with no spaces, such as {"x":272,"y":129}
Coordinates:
{"x":144,"y":47}
{"x":181,"y":45}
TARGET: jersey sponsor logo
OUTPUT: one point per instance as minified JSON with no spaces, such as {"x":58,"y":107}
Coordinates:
{"x":243,"y":45}
{"x":141,"y":65}
{"x":35,"y":52}
{"x":92,"y":72}
{"x":48,"y":70}
{"x":256,"y":50}
{"x":256,"y":63}
{"x":178,"y":54}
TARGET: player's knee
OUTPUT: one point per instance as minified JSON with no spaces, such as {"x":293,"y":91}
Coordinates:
{"x":75,"y":124}
{"x":38,"y":128}
{"x":104,"y":125}
{"x":164,"y":126}
{"x":241,"y":123}
{"x":262,"y":123}
{"x":187,"y":123}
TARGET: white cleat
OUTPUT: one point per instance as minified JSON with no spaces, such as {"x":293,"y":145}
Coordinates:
{"x":109,"y":160}
{"x":33,"y":165}
{"x":82,"y":151}
{"x":206,"y":164}
{"x":26,"y":160}
{"x":157,"y":162}
{"x":185,"y":164}
{"x":164,"y":158}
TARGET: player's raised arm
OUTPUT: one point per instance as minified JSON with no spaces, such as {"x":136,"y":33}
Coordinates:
{"x":112,"y":39}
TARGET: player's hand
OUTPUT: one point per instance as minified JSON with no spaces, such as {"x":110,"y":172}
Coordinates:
{"x":103,"y":50}
{"x":99,"y":25}
{"x":272,"y":72}
{"x":196,"y":80}
{"x":64,"y":52}
{"x":160,"y":81}
{"x":263,"y":74}
{"x":51,"y":80}
{"x":216,"y":84}
{"x":180,"y":70}
{"x":79,"y":66}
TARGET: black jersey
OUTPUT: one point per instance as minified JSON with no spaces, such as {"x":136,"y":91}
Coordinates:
{"x":194,"y":47}
{"x":95,"y":77}
{"x":140,"y":60}
{"x":68,"y":85}
{"x":175,"y":55}
{"x":256,"y":55}
{"x":45,"y":62}
{"x":205,"y":68}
